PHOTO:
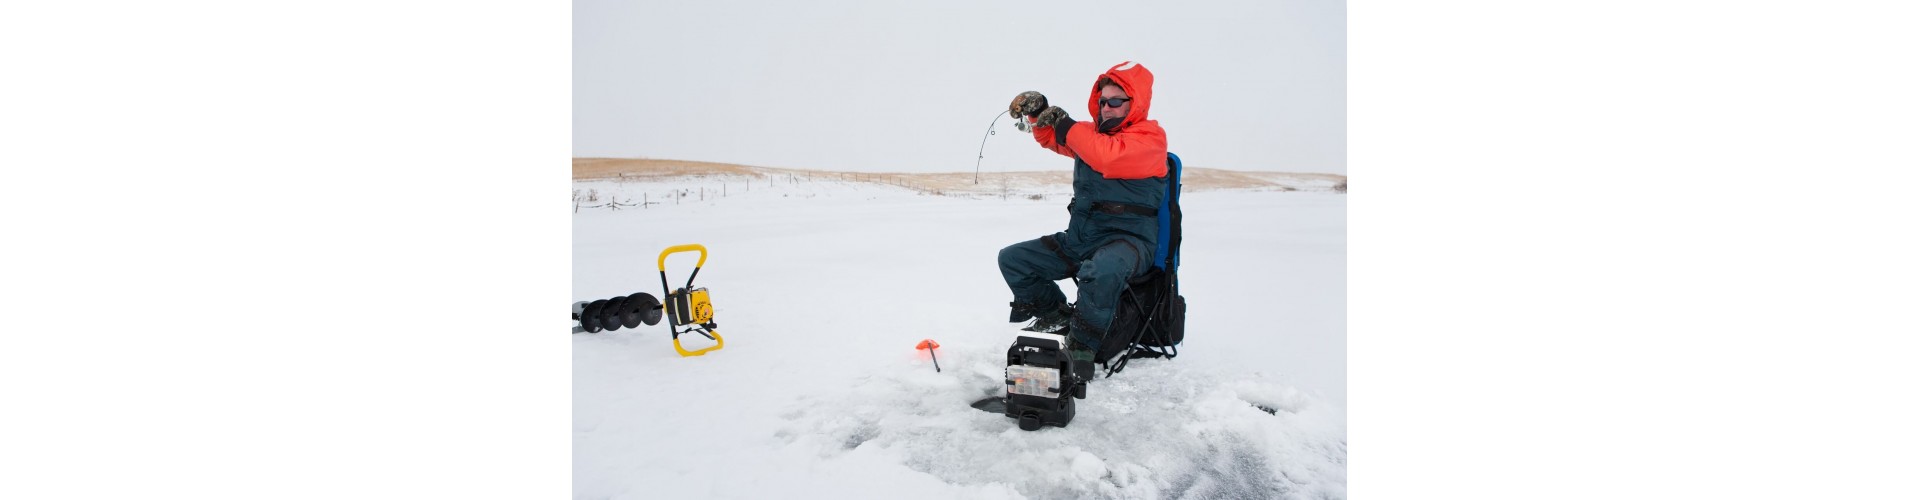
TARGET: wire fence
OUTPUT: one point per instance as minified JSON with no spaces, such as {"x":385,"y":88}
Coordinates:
{"x":614,"y":203}
{"x":1001,"y":188}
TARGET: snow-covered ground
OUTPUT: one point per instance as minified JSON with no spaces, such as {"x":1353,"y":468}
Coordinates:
{"x":822,"y":288}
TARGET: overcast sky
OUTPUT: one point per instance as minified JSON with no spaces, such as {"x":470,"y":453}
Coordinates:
{"x":912,"y":86}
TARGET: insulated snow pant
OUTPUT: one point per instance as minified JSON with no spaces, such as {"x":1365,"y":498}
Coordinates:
{"x":1031,"y":267}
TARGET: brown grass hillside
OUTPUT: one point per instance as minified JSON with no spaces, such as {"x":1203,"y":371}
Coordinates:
{"x":1195,"y":178}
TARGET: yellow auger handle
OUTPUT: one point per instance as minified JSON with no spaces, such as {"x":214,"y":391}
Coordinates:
{"x":721,"y":342}
{"x":683,"y":248}
{"x":665,"y":288}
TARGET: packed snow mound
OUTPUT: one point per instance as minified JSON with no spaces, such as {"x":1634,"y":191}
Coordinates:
{"x":822,"y":288}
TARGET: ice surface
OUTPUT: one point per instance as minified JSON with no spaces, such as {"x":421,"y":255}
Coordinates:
{"x":823,"y":288}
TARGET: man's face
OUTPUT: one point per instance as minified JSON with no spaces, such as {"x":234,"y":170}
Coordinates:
{"x":1111,"y":91}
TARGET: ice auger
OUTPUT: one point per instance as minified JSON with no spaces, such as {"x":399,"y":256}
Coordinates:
{"x":687,"y":307}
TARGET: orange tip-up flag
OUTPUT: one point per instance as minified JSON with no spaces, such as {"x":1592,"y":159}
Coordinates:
{"x":929,"y":345}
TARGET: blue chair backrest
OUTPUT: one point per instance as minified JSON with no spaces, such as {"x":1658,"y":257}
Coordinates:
{"x":1169,"y":209}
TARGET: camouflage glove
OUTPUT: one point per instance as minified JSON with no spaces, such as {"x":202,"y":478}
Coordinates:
{"x":1028,"y":104}
{"x":1024,"y":107}
{"x":1058,"y":119}
{"x":1052,"y":118}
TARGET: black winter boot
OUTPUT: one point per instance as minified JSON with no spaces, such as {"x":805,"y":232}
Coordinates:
{"x":1045,"y":319}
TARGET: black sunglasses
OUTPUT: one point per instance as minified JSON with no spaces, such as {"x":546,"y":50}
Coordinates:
{"x":1114,"y":102}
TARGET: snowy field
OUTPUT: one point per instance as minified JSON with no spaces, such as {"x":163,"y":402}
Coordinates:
{"x":822,"y":288}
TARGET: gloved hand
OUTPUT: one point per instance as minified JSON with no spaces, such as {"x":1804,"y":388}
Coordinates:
{"x":1024,"y":107}
{"x":1052,"y":117}
{"x":1027,"y":105}
{"x":1056,"y":118}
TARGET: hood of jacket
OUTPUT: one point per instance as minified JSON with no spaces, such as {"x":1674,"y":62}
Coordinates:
{"x":1136,"y":81}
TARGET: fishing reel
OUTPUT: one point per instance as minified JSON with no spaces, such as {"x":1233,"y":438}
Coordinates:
{"x":691,"y":308}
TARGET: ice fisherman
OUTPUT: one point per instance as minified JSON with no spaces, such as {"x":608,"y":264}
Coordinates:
{"x":1119,"y":179}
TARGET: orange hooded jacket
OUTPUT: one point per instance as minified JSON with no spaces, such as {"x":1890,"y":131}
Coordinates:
{"x":1137,"y":149}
